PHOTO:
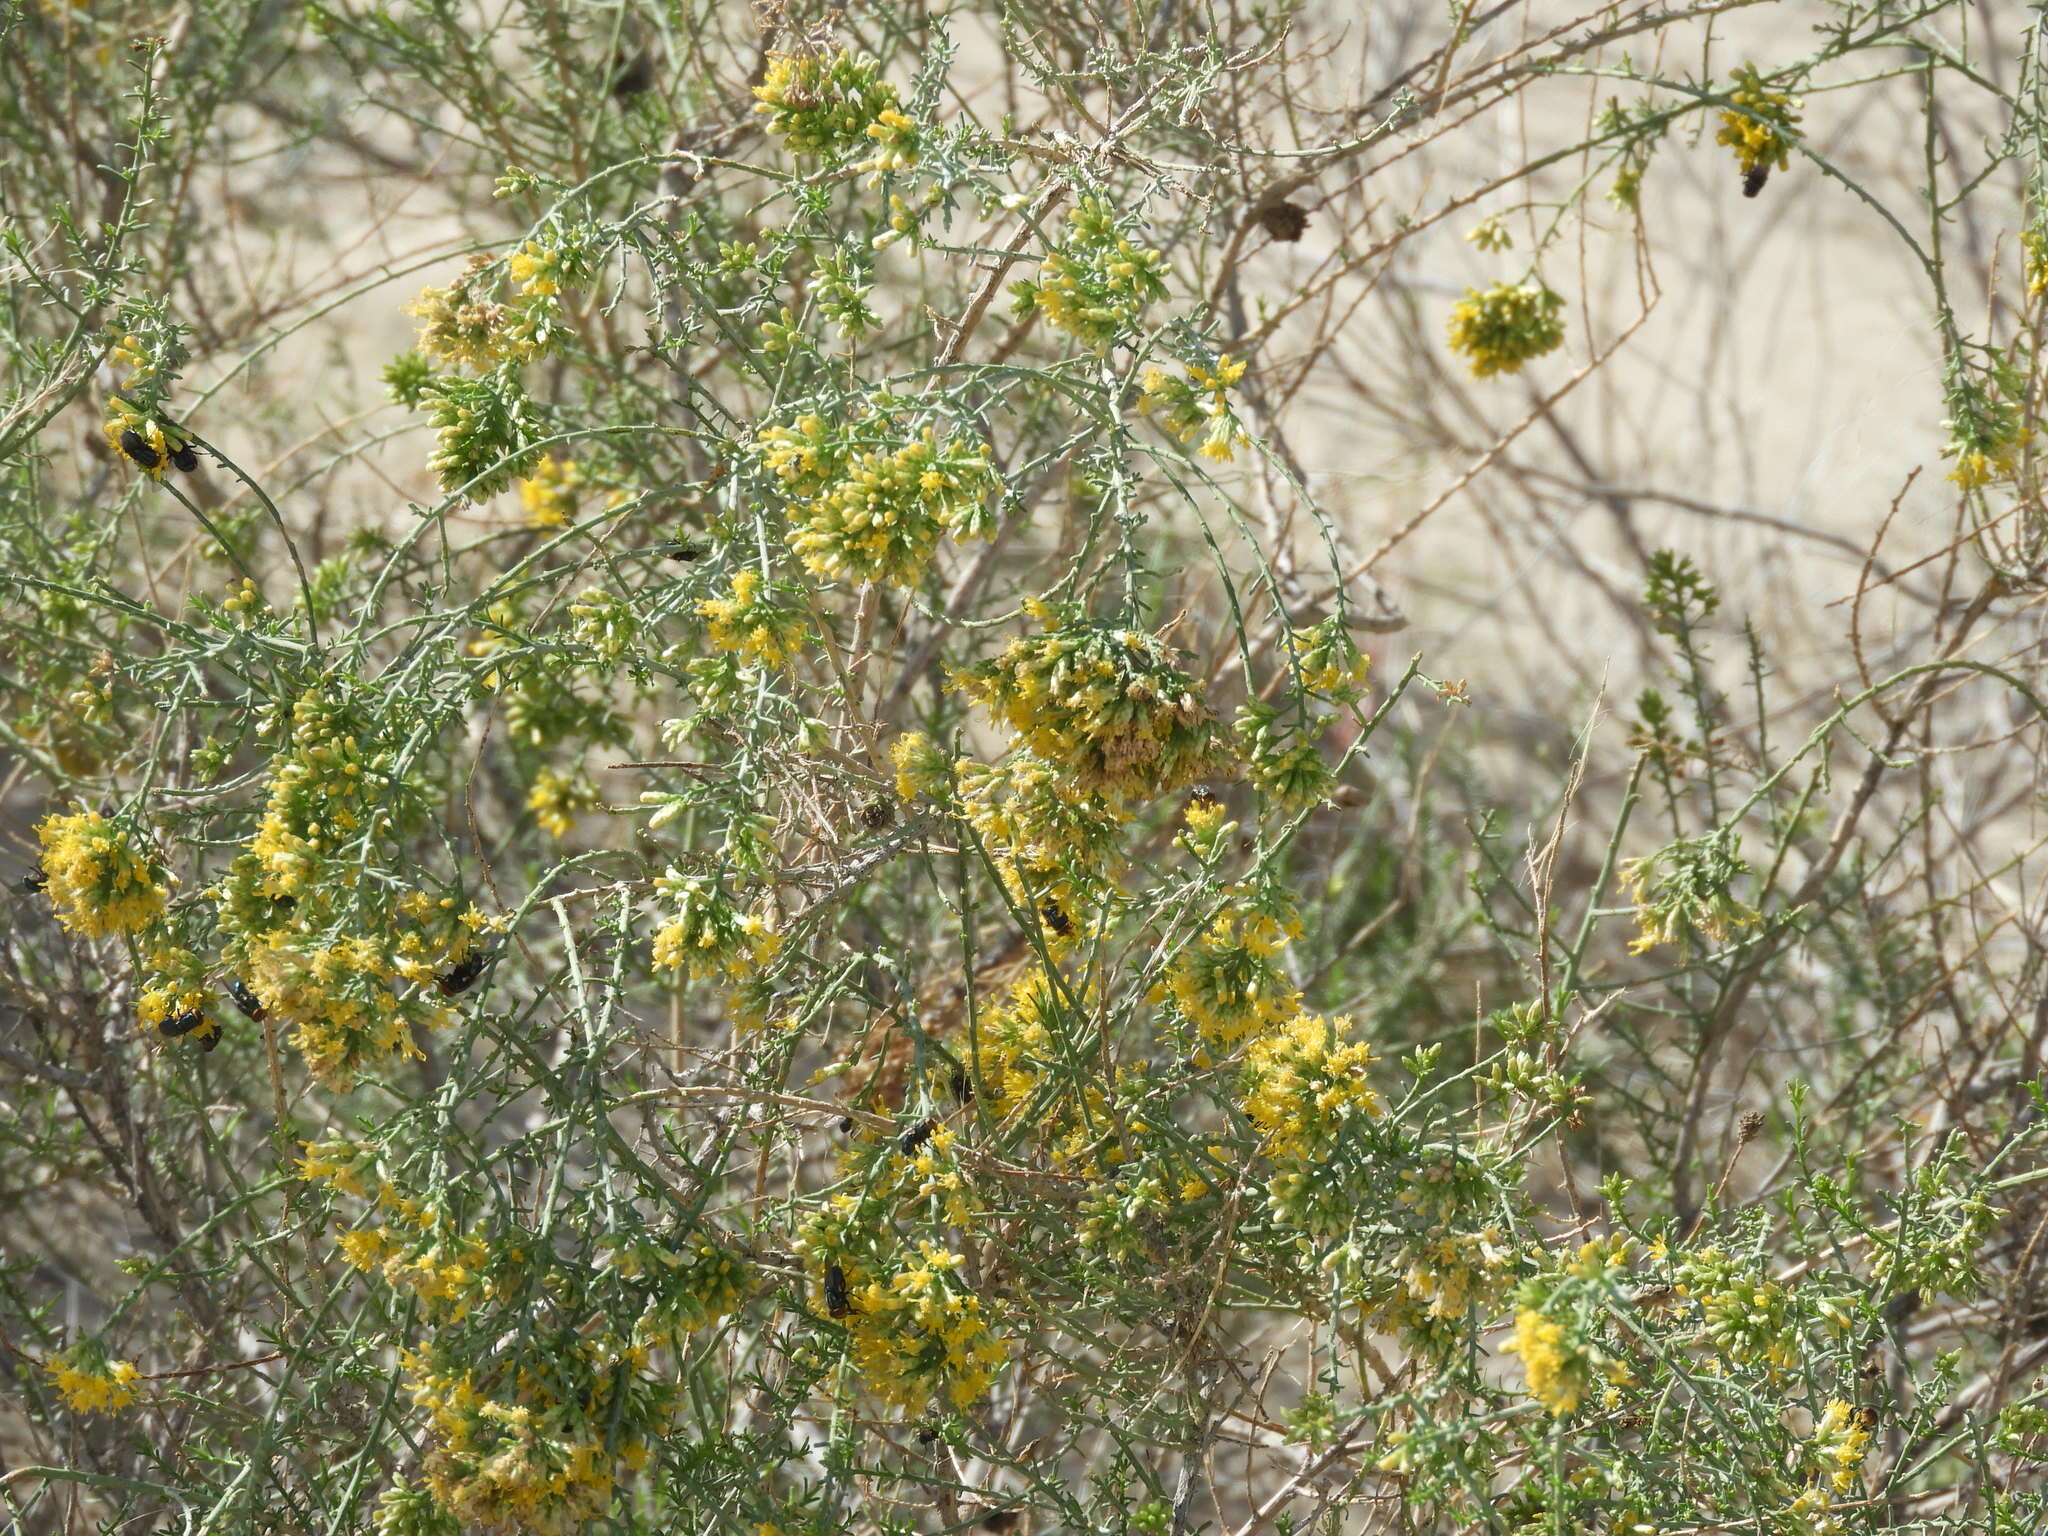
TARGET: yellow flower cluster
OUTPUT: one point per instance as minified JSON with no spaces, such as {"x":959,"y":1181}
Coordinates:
{"x":1761,"y":133}
{"x":549,"y":495}
{"x":922,"y":768}
{"x":1556,"y":1376}
{"x":1840,"y":1442}
{"x":537,"y":268}
{"x":132,"y":352}
{"x":104,"y":877}
{"x":139,"y":440}
{"x":1457,"y":1262}
{"x":1280,"y":754}
{"x":537,"y":1439}
{"x":876,"y":513}
{"x":1035,"y":819}
{"x":1129,"y":1216}
{"x":557,"y":799}
{"x":895,"y":139}
{"x":752,"y":625}
{"x":89,"y":1382}
{"x":327,"y":964}
{"x":1226,"y":982}
{"x":708,"y":935}
{"x":350,"y":1166}
{"x":698,"y":1283}
{"x":1687,"y":887}
{"x":523,"y":1462}
{"x":605,"y":621}
{"x":1502,"y":327}
{"x":1097,"y":284}
{"x":338,"y":1001}
{"x":1208,"y":824}
{"x":1451,"y":1272}
{"x":458,"y":326}
{"x":465,"y":326}
{"x":1977,"y":467}
{"x":1100,"y":702}
{"x":1838,"y":1445}
{"x":1327,"y":660}
{"x":1198,"y":406}
{"x":920,"y":1332}
{"x":1747,"y":1318}
{"x":833,"y":105}
{"x":1305,"y":1080}
{"x":417,"y":1248}
{"x":174,"y":993}
{"x":1014,"y":1041}
{"x":1556,"y":1323}
{"x":319,"y":799}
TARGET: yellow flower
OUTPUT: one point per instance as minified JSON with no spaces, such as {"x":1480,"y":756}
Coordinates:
{"x":1551,"y":1373}
{"x":921,"y":1332}
{"x":753,"y":626}
{"x":1226,"y":983}
{"x":820,"y":105}
{"x":458,"y":326}
{"x":557,"y":798}
{"x":536,"y":269}
{"x":90,"y":1383}
{"x":103,"y":879}
{"x":895,"y":139}
{"x":1198,"y":407}
{"x":550,"y":494}
{"x":1102,"y":702}
{"x":1761,"y":133}
{"x":708,"y":936}
{"x":876,"y":513}
{"x":341,"y":1163}
{"x":1097,"y":285}
{"x":139,"y":441}
{"x":1977,"y":467}
{"x":1505,"y":326}
{"x":921,"y":768}
{"x":2034,"y":261}
{"x":1305,"y":1081}
{"x":1840,"y":1441}
{"x":362,"y":1248}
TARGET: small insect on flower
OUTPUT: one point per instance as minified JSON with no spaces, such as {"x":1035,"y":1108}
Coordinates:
{"x":1202,"y":795}
{"x":1754,"y":178}
{"x":927,"y":1436}
{"x":846,"y":1125}
{"x":877,"y":813}
{"x":245,"y":1000}
{"x":963,"y":1086}
{"x":837,"y":1302}
{"x":461,"y":976}
{"x":136,"y":446}
{"x":1056,"y":920}
{"x":185,"y":457}
{"x":32,"y":882}
{"x":1866,"y":1418}
{"x":918,"y":1135}
{"x":182,"y":1024}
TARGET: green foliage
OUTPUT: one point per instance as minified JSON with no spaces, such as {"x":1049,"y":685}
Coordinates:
{"x":778,"y":897}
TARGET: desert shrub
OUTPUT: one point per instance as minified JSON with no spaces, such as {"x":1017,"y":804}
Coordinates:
{"x":786,"y":878}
